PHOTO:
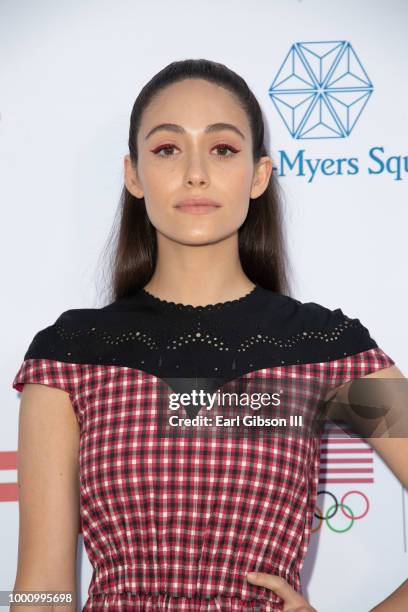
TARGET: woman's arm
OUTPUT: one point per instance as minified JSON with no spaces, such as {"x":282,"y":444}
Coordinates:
{"x":48,"y":489}
{"x":393,"y":447}
{"x":394,"y":451}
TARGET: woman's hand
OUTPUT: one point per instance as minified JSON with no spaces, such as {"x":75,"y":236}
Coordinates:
{"x":293,"y":602}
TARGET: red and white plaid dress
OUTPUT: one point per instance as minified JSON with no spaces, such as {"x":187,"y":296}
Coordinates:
{"x":173,"y":518}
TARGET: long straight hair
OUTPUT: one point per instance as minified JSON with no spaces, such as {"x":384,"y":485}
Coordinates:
{"x":132,"y":245}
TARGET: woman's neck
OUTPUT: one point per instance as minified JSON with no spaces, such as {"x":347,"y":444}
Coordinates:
{"x":199,"y":293}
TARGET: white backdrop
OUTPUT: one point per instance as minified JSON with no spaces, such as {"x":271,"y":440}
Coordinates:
{"x":70,"y":72}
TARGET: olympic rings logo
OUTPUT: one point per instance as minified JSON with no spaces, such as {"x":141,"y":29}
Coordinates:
{"x":334,"y":508}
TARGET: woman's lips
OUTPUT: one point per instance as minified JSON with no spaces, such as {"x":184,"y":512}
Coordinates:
{"x":197,"y":209}
{"x":197,"y":206}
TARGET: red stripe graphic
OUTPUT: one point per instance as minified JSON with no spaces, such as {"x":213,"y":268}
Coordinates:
{"x":8,"y":490}
{"x":341,"y":460}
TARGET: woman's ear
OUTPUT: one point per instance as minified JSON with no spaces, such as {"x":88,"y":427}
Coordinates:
{"x":131,"y":178}
{"x":262,"y":174}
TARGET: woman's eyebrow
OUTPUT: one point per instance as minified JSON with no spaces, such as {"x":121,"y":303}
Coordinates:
{"x":213,"y":127}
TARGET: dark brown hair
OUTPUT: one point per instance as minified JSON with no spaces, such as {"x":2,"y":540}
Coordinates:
{"x":132,"y":246}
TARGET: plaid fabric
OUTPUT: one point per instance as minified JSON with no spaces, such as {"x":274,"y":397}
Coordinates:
{"x":174,"y":522}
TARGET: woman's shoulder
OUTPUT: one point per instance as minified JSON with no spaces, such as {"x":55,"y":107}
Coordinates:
{"x":313,"y":332}
{"x":310,"y":314}
{"x":79,"y":332}
{"x":315,"y":315}
{"x":55,"y":352}
{"x":69,"y":329}
{"x":318,"y":324}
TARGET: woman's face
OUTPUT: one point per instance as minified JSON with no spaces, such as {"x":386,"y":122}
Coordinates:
{"x":192,"y":161}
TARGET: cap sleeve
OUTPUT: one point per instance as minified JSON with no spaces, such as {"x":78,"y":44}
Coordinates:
{"x":360,"y":405}
{"x":360,"y":354}
{"x":42,"y":364}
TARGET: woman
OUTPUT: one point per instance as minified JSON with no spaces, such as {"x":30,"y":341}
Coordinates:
{"x":175,"y":517}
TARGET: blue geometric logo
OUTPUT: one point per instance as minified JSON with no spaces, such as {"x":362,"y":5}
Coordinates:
{"x":321,"y":89}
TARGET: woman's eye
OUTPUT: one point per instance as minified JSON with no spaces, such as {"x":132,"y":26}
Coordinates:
{"x":163,"y":148}
{"x":226,"y":147}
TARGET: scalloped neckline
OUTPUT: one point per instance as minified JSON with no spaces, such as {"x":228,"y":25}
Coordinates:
{"x":166,"y":304}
